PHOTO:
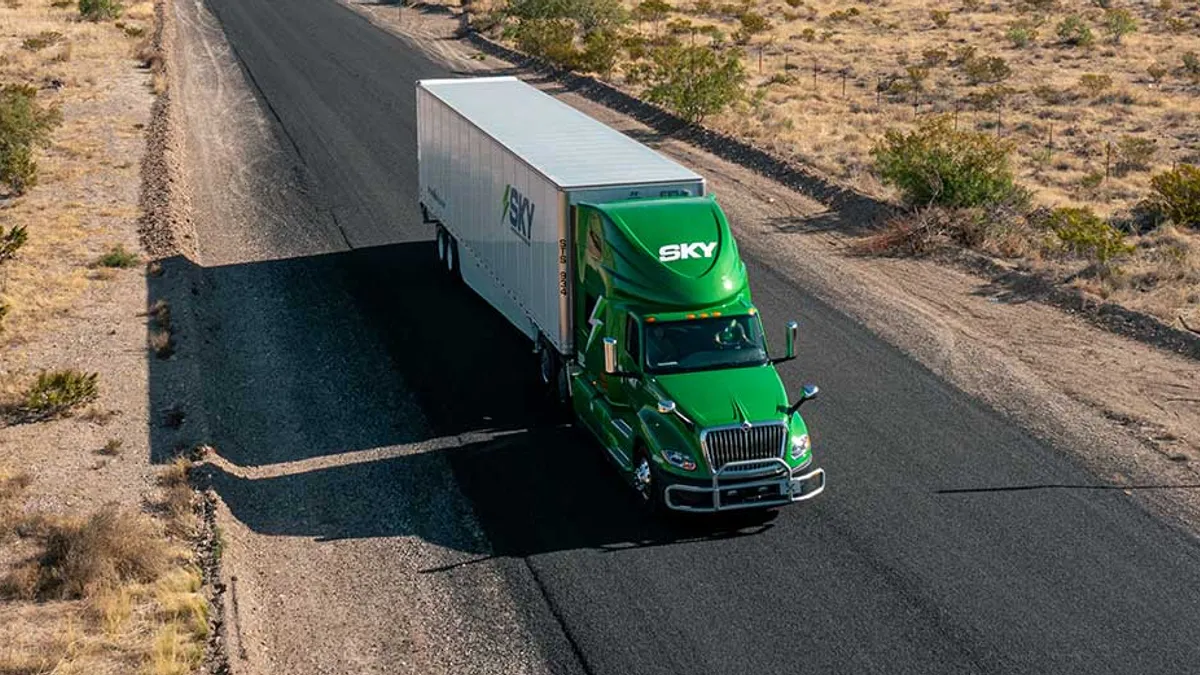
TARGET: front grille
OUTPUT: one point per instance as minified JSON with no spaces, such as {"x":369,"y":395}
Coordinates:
{"x":764,"y":441}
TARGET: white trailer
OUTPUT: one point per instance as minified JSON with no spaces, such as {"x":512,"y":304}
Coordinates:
{"x":501,"y":166}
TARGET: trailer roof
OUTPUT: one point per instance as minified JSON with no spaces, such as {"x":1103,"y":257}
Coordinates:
{"x":563,"y":144}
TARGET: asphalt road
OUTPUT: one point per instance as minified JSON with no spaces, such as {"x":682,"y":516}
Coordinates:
{"x":947,"y":541}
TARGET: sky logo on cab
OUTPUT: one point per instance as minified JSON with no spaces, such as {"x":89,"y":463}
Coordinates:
{"x":686,"y":251}
{"x":518,"y":212}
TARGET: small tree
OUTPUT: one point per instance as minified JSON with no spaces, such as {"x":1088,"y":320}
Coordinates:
{"x":936,"y":164}
{"x":986,"y":69}
{"x":1176,"y":195}
{"x":24,"y":124}
{"x":600,"y":51}
{"x":1118,"y":23}
{"x":1074,"y":31}
{"x":653,"y":11}
{"x":695,"y":82}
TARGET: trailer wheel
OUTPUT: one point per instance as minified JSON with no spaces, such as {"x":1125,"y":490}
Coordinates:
{"x":440,"y":242}
{"x":452,"y":266}
{"x":552,"y":373}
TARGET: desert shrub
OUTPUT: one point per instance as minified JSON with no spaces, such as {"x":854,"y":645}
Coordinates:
{"x":917,"y":76}
{"x":842,"y":15}
{"x":12,"y":241}
{"x":999,"y":229}
{"x":680,"y":26}
{"x":1021,"y":33}
{"x":695,"y":82}
{"x":1134,"y":153}
{"x":57,"y":392}
{"x":1081,"y":232}
{"x":940,"y":17}
{"x":1094,"y":85}
{"x":46,"y":38}
{"x":600,"y":51}
{"x":752,"y":23}
{"x":936,"y":164}
{"x":1039,"y":6}
{"x":24,"y":124}
{"x":100,"y":10}
{"x":118,"y":257}
{"x":934,"y":57}
{"x":963,"y":54}
{"x":651,"y":10}
{"x":549,"y":39}
{"x":1051,"y":96}
{"x":990,"y":98}
{"x":704,"y":7}
{"x":986,"y":69}
{"x":81,"y":557}
{"x":1074,"y":31}
{"x":1175,"y":195}
{"x":1191,"y":64}
{"x":794,"y":3}
{"x":1118,"y":23}
{"x":1156,"y":72}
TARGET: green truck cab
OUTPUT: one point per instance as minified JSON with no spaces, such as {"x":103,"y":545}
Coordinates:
{"x":671,"y":372}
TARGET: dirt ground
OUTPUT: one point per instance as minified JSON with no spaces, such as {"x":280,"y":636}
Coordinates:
{"x":1130,"y":412}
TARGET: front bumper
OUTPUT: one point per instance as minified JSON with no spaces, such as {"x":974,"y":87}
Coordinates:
{"x":750,"y":484}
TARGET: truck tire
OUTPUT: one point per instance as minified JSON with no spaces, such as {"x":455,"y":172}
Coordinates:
{"x":452,"y":266}
{"x":439,"y":241}
{"x":647,"y":482}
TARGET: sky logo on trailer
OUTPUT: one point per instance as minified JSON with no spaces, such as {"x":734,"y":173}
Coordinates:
{"x":518,"y":211}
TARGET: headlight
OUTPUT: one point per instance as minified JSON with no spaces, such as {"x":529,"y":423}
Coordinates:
{"x":679,"y":460}
{"x":800,"y":445}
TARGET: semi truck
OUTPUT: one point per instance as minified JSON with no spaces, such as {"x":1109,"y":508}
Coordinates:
{"x":621,"y":270}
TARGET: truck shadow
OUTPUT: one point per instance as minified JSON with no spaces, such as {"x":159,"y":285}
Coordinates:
{"x":356,"y":394}
{"x":531,"y":493}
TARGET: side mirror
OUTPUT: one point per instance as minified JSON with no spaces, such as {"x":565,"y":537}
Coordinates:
{"x":808,"y":393}
{"x":792,"y":327}
{"x":666,"y":407}
{"x":610,"y":355}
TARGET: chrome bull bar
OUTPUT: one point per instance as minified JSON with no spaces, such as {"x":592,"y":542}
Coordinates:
{"x":790,"y":488}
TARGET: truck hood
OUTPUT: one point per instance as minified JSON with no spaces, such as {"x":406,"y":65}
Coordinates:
{"x":727,"y":396}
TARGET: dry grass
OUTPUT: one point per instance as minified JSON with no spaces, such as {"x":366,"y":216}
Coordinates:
{"x":79,"y":66}
{"x":81,"y":557}
{"x":104,"y":594}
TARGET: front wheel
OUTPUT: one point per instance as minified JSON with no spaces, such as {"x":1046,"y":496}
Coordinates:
{"x":552,"y":373}
{"x":648,"y":483}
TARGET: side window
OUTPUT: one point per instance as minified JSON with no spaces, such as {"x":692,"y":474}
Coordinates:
{"x":632,"y":345}
{"x":593,"y":236}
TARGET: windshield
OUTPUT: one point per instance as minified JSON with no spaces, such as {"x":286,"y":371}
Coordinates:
{"x":704,"y":344}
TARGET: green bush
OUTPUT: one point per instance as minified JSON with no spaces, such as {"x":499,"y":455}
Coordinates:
{"x":550,"y":39}
{"x":58,"y":392}
{"x":1135,"y":153}
{"x":940,"y":17}
{"x":11,"y":241}
{"x":1118,"y":23}
{"x":1191,"y":64}
{"x":99,"y":10}
{"x":1021,"y":33}
{"x":936,"y":164}
{"x":600,"y":51}
{"x":1083,"y":233}
{"x":1176,"y":195}
{"x":752,"y":23}
{"x":118,"y":257}
{"x":986,"y":69}
{"x":651,"y":10}
{"x":23,"y":124}
{"x":695,"y":82}
{"x":1074,"y":31}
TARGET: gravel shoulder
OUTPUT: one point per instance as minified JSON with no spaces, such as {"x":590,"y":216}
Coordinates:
{"x":1129,"y":411}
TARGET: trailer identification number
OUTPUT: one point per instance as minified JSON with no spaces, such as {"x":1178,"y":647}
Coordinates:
{"x":698,"y":249}
{"x":518,"y":211}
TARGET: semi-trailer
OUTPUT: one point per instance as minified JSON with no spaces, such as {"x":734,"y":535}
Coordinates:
{"x":623,"y":273}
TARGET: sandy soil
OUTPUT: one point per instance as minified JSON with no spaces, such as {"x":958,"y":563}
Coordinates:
{"x":1130,"y":412}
